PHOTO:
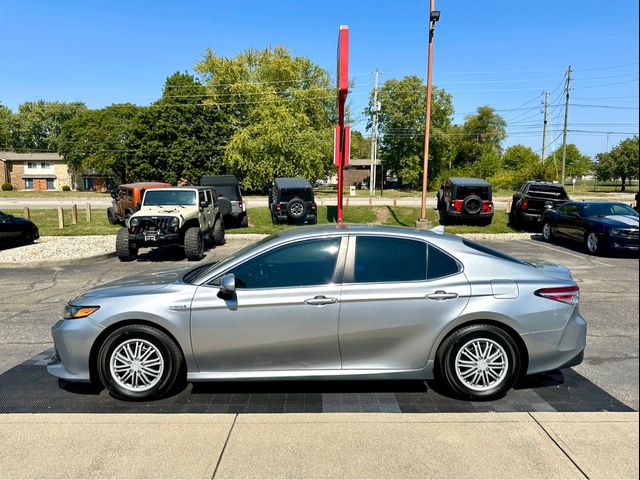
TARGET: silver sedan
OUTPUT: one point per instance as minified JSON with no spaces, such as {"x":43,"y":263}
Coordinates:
{"x":330,"y":302}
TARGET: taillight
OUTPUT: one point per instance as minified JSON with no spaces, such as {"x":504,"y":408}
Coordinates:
{"x":457,"y":205}
{"x":487,"y":206}
{"x":525,"y":204}
{"x":313,"y":206}
{"x":569,"y":294}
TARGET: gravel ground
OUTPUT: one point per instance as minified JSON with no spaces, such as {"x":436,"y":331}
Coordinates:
{"x":56,"y":249}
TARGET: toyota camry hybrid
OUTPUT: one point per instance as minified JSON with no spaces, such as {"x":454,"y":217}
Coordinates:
{"x":328,"y":302}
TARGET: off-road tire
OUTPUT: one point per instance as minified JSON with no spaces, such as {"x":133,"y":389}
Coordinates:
{"x":472,"y":204}
{"x":217,"y":232}
{"x":111,"y":217}
{"x":124,"y":251}
{"x":173,"y":361}
{"x":446,"y":362}
{"x":297,"y":209}
{"x":244,"y":221}
{"x":224,"y":206}
{"x":193,"y":244}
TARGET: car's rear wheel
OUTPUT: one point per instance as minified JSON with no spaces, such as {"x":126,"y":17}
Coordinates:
{"x":124,"y":251}
{"x":193,"y":244}
{"x":111,"y":217}
{"x":547,"y":233}
{"x":139,"y":362}
{"x":479,"y":362}
{"x":218,"y":232}
{"x":244,"y":221}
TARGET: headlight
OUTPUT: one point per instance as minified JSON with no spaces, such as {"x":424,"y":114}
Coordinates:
{"x":615,"y":231}
{"x":71,"y":311}
{"x":175,"y":221}
{"x":134,"y":222}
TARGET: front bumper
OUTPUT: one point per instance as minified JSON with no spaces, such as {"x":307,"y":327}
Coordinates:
{"x":553,"y":349}
{"x":73,"y":340}
{"x":159,"y":239}
{"x":630,"y":244}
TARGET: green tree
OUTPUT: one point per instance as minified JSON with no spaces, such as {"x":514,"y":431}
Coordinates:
{"x":621,"y":162}
{"x":5,"y":127}
{"x":96,"y":140}
{"x":281,"y":111}
{"x":517,"y":157}
{"x":576,"y":164}
{"x":401,"y":125}
{"x":360,"y":145}
{"x":480,"y":130}
{"x":178,"y":137}
{"x":37,"y":125}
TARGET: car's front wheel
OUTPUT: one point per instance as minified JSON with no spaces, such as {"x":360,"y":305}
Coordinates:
{"x":479,"y":362}
{"x":593,"y":243}
{"x":218,"y":232}
{"x":193,"y":244}
{"x":124,"y":251}
{"x":547,"y":233}
{"x":139,"y":362}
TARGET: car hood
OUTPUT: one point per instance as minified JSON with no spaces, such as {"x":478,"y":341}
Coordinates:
{"x":619,"y":221}
{"x":553,"y":270}
{"x":136,"y":284}
{"x":21,"y":221}
{"x":159,"y":211}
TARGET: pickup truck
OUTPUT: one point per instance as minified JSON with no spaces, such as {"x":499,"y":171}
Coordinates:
{"x":532,"y":199}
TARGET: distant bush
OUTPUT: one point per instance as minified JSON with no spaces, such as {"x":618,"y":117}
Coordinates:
{"x":66,"y":188}
{"x":7,"y":187}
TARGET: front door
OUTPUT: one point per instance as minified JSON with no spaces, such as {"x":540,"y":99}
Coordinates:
{"x":283,"y":315}
{"x":39,"y":184}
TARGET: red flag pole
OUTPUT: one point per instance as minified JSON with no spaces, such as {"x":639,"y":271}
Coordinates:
{"x":343,"y":88}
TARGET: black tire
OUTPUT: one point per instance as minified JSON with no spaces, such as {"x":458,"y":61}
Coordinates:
{"x":244,"y":221}
{"x":217,"y":234}
{"x":274,"y":219}
{"x":514,"y":220}
{"x":313,"y":221}
{"x":124,"y":251}
{"x":593,"y":243}
{"x":547,"y":231}
{"x":193,"y":244}
{"x":165,"y":348}
{"x":472,"y":204}
{"x":296,"y":209}
{"x":28,"y":237}
{"x":450,"y":373}
{"x":111,"y":216}
{"x":224,"y":206}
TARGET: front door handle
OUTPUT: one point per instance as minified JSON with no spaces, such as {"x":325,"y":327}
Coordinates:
{"x":441,"y":295}
{"x":320,"y":300}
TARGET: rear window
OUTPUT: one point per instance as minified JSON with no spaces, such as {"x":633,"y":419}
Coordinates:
{"x":548,"y":191}
{"x":492,"y":252}
{"x":289,"y":194}
{"x":232,"y":192}
{"x":483,"y":192}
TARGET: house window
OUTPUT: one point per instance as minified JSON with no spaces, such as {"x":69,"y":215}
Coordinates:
{"x":28,"y":183}
{"x":32,"y":165}
{"x":45,"y":164}
{"x":50,"y":184}
{"x":88,"y":184}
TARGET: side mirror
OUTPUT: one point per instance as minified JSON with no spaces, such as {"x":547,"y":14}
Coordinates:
{"x":204,"y":204}
{"x":227,"y":285}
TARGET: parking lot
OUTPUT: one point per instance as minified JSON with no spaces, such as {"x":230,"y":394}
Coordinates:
{"x":607,"y":380}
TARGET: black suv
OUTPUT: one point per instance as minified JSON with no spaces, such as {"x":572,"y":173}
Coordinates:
{"x":532,"y":199}
{"x":465,"y":200}
{"x":291,"y":200}
{"x":232,"y":206}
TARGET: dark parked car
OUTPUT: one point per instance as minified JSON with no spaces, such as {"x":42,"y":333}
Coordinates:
{"x":465,"y":200}
{"x":17,"y":230}
{"x":291,"y":201}
{"x":232,"y":206}
{"x":600,"y":226}
{"x":532,"y":199}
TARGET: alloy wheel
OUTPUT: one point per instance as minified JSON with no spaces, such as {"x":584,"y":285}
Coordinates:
{"x":481,"y":364}
{"x":546,"y":231}
{"x":296,"y":209}
{"x":593,"y":242}
{"x":136,"y":365}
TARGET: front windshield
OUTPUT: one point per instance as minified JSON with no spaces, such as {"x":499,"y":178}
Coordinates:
{"x":169,"y":197}
{"x":602,"y":209}
{"x":200,"y":272}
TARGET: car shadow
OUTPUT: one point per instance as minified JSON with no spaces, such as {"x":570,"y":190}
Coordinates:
{"x":579,"y":248}
{"x":332,"y":214}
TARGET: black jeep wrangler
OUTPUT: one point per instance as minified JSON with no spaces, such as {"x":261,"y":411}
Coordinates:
{"x":291,"y":201}
{"x":232,"y":206}
{"x":465,"y":200}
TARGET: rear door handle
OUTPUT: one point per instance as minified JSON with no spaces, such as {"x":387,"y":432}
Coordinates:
{"x":441,"y":295}
{"x":320,"y":300}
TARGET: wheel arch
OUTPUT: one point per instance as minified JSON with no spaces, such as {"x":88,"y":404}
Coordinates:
{"x":192,"y":222}
{"x":100,"y":339}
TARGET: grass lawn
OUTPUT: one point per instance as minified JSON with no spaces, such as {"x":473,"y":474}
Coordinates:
{"x":52,"y":194}
{"x":47,"y":221}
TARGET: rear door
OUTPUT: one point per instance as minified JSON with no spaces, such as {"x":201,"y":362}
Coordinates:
{"x":397,"y":296}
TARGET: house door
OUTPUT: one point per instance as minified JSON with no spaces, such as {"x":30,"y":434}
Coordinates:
{"x":39,"y":184}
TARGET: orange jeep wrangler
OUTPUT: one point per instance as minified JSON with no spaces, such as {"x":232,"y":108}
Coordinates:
{"x":127,"y":199}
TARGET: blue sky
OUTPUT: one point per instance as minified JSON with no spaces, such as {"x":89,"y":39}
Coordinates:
{"x":500,"y":53}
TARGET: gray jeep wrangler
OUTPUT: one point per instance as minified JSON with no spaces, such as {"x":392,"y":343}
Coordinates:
{"x":182,"y":216}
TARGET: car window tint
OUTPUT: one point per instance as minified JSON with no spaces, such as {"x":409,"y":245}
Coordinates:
{"x":440,"y":264}
{"x":307,"y":263}
{"x":389,"y":260}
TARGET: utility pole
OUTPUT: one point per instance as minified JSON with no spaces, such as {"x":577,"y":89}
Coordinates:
{"x":374,"y":138}
{"x":544,"y":125}
{"x":566,"y":117}
{"x":434,"y":16}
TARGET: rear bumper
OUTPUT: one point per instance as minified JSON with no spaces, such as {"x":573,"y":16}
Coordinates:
{"x":553,"y":349}
{"x":454,"y":214}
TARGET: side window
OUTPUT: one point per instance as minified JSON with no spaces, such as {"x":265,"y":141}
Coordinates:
{"x":564,"y":209}
{"x":202,"y":197}
{"x":440,"y":264}
{"x":301,"y":264}
{"x":382,"y":259}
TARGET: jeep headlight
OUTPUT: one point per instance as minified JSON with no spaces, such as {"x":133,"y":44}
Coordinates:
{"x":134,"y":222}
{"x":175,"y":222}
{"x":72,"y":311}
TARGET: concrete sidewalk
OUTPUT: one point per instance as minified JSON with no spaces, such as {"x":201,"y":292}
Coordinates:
{"x":496,"y":445}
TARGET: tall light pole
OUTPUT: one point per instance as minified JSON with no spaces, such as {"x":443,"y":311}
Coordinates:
{"x":434,"y":16}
